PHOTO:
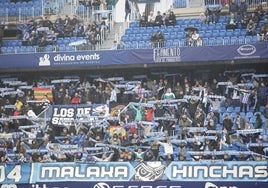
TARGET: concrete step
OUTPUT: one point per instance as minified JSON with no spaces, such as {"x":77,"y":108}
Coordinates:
{"x":111,"y":37}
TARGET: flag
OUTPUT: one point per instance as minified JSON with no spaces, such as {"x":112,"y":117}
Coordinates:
{"x":43,"y":93}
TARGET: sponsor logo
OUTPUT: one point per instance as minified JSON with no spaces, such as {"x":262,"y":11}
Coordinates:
{"x":212,"y":185}
{"x":166,"y":54}
{"x":149,"y":172}
{"x":246,"y":50}
{"x":105,"y":185}
{"x":44,"y":60}
{"x":29,"y":186}
{"x":101,"y":185}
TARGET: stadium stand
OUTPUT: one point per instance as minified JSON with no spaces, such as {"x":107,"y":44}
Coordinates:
{"x":201,"y":118}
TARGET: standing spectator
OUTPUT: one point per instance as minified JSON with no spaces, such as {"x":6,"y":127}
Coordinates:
{"x":127,"y":9}
{"x":1,"y":36}
{"x":265,"y":114}
{"x":76,"y":99}
{"x":184,"y":122}
{"x":262,"y":93}
{"x":243,"y":8}
{"x":169,"y":94}
{"x":240,"y":122}
{"x":234,"y":8}
{"x":168,"y":151}
{"x":227,"y":125}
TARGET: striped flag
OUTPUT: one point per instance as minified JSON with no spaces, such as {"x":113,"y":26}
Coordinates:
{"x":41,"y":93}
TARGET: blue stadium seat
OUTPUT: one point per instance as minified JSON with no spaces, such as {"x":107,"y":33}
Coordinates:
{"x":176,"y":42}
{"x":146,"y":37}
{"x":219,"y":41}
{"x":254,"y":39}
{"x":236,"y":33}
{"x":215,"y":33}
{"x":133,"y":24}
{"x":211,"y":26}
{"x":168,"y":43}
{"x":205,"y":41}
{"x":241,"y":40}
{"x":229,"y":33}
{"x":212,"y":41}
{"x":226,"y":40}
{"x":222,"y":109}
{"x":249,"y":115}
{"x":222,"y":33}
{"x":198,"y":25}
{"x":208,"y":34}
{"x":179,"y":21}
{"x":230,"y":109}
{"x":248,"y":39}
{"x":233,"y":41}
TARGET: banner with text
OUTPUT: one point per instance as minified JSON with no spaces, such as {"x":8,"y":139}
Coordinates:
{"x":134,"y":56}
{"x":234,"y":172}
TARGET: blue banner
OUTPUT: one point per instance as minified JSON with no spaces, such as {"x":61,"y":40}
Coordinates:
{"x":152,"y":184}
{"x":231,"y":173}
{"x":134,"y":56}
{"x":218,"y":171}
{"x":101,"y":171}
{"x":13,"y":174}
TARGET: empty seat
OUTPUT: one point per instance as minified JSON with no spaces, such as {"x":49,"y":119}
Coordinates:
{"x":226,"y":40}
{"x":219,"y":41}
{"x":248,"y":39}
{"x":233,"y":40}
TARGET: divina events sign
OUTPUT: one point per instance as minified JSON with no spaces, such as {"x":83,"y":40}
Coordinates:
{"x":133,"y":56}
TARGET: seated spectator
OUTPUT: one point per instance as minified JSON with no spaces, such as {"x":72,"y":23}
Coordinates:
{"x":25,"y":38}
{"x":96,"y":4}
{"x":164,"y":18}
{"x":143,"y":20}
{"x":212,"y":15}
{"x":254,"y":17}
{"x":194,"y":38}
{"x":244,"y":21}
{"x":151,"y":19}
{"x":251,"y":27}
{"x":259,"y":10}
{"x":47,"y":23}
{"x":158,"y":19}
{"x":199,"y":42}
{"x":263,"y":34}
{"x":243,"y":7}
{"x":157,"y":39}
{"x":42,"y":44}
{"x":33,"y":38}
{"x":171,"y":21}
{"x":232,"y":22}
{"x":1,"y":34}
{"x":203,"y":18}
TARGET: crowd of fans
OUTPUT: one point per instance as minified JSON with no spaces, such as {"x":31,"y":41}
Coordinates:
{"x":150,"y":119}
{"x":42,"y":32}
{"x":157,"y":20}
